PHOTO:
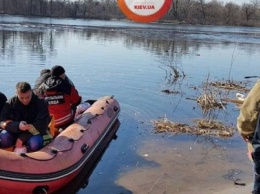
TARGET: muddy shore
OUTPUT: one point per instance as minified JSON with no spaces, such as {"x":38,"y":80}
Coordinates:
{"x":179,"y":167}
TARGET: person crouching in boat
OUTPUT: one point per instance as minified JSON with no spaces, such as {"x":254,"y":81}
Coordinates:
{"x":62,"y":97}
{"x":25,"y":120}
{"x":44,"y":75}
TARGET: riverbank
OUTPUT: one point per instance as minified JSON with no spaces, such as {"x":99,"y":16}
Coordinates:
{"x":185,"y":168}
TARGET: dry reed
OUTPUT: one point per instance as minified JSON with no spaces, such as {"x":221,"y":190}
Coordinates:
{"x":202,"y":127}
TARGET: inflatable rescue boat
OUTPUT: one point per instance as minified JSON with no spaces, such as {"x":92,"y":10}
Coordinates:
{"x":59,"y":162}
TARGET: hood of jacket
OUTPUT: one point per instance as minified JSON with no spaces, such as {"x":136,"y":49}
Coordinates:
{"x":57,"y":84}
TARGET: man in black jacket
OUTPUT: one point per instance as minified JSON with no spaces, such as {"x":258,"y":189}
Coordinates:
{"x":3,"y":99}
{"x":25,"y":120}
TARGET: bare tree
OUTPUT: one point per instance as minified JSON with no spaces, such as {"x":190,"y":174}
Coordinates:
{"x":249,"y":10}
{"x":185,"y":10}
{"x":215,"y":12}
{"x":84,"y":7}
{"x":75,"y":8}
{"x":231,"y":14}
{"x":51,"y":1}
{"x":175,"y":8}
{"x":43,"y":7}
{"x":88,"y":8}
{"x":190,"y":11}
{"x":59,"y":8}
{"x":201,"y":7}
{"x":179,"y":10}
{"x":198,"y":12}
{"x":2,"y":10}
{"x":31,"y":8}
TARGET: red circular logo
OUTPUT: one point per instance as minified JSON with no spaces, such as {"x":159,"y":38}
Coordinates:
{"x":144,"y":10}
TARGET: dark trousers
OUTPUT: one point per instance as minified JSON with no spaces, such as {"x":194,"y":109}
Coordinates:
{"x":256,"y":157}
{"x":8,"y":139}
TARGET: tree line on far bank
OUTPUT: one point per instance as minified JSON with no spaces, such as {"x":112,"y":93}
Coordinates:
{"x":213,"y":12}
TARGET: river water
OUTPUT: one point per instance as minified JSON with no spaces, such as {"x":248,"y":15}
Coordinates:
{"x":134,"y":63}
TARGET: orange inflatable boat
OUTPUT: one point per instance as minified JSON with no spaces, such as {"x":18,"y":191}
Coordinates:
{"x":59,"y":162}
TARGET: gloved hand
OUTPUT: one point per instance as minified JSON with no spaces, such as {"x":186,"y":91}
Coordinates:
{"x":20,"y":150}
{"x":80,"y":109}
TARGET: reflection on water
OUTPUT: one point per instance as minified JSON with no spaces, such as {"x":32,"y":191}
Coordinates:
{"x":164,"y":40}
{"x":81,"y":180}
{"x":131,"y":61}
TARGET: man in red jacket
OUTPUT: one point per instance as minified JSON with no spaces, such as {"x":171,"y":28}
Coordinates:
{"x":61,"y":95}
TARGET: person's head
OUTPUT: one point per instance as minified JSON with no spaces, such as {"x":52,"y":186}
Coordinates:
{"x":58,"y":71}
{"x":43,"y":71}
{"x":24,"y":92}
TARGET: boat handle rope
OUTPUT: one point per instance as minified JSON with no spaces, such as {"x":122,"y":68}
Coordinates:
{"x":56,"y":151}
{"x":44,"y":191}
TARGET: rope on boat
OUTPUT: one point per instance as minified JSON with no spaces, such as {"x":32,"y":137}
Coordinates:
{"x":44,"y":190}
{"x":40,"y":190}
{"x":56,"y":151}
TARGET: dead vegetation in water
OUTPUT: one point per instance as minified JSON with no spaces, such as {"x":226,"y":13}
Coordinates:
{"x":203,"y":127}
{"x":210,"y":98}
{"x":177,"y":72}
{"x":174,"y":75}
{"x":230,"y":85}
{"x":212,"y":94}
{"x":208,"y":101}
